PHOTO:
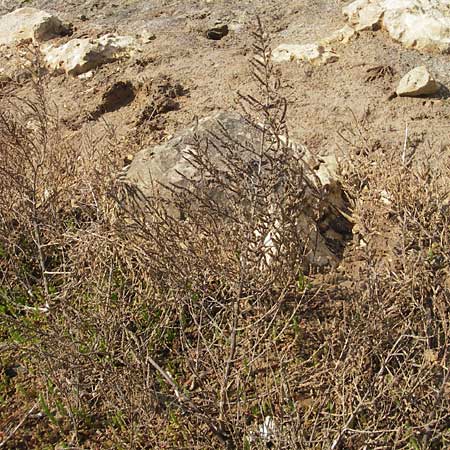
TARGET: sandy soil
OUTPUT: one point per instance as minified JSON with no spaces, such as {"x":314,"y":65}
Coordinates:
{"x":322,"y":99}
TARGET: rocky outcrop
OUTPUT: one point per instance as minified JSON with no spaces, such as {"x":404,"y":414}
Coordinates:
{"x":29,"y":24}
{"x":170,"y":164}
{"x":76,"y":57}
{"x":343,"y":36}
{"x":313,"y":53}
{"x":420,"y":24}
{"x":317,"y":53}
{"x":364,"y":14}
{"x":82,"y":55}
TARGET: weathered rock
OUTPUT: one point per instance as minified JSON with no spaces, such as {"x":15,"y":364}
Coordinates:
{"x":146,"y":36}
{"x":217,"y":32}
{"x":169,"y":164}
{"x":86,"y":75}
{"x":364,"y":14}
{"x":313,"y":53}
{"x":417,"y":82}
{"x":82,"y":55}
{"x":342,"y":35}
{"x":424,"y":25}
{"x":421,"y":24}
{"x":29,"y":24}
{"x":317,"y":53}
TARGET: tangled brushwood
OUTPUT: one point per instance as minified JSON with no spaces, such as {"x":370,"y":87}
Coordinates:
{"x":189,"y":316}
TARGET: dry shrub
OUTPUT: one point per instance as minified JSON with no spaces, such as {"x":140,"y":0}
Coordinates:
{"x":226,"y":304}
{"x":47,"y":185}
{"x":163,"y":332}
{"x":53,"y":194}
{"x":155,"y":327}
{"x":392,"y":372}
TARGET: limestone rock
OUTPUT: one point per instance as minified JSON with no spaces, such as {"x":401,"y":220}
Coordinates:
{"x":317,"y":53}
{"x":424,"y":24}
{"x":82,"y":55}
{"x":29,"y":23}
{"x":342,"y":35}
{"x":417,"y":82}
{"x":420,"y":24}
{"x":313,"y":53}
{"x":169,"y":164}
{"x":364,"y":14}
{"x":146,"y":36}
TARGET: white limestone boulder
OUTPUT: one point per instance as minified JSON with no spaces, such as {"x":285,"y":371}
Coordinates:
{"x":417,"y":82}
{"x":343,"y":36}
{"x":79,"y":56}
{"x":312,"y":53}
{"x":29,"y":24}
{"x":364,"y":14}
{"x":423,"y":24}
{"x":420,"y":24}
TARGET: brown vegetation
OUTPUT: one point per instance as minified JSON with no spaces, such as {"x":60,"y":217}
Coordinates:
{"x":133,"y":328}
